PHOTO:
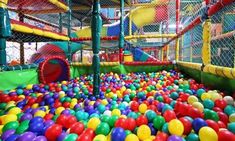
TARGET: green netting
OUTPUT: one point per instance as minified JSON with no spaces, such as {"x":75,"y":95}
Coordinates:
{"x":12,"y":79}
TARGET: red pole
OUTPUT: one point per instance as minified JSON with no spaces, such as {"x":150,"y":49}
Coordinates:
{"x":120,"y":54}
{"x":177,"y":15}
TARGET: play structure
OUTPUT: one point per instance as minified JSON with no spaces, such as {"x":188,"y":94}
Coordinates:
{"x":117,"y":70}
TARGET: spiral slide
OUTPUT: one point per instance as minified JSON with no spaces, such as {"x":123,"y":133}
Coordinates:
{"x":141,"y":16}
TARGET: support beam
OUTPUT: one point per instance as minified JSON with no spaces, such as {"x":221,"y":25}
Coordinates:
{"x":96,"y":30}
{"x":69,"y":13}
{"x":21,"y":18}
{"x":60,"y":23}
{"x":206,"y":48}
{"x":177,"y":43}
{"x":121,"y":36}
{"x":5,"y":30}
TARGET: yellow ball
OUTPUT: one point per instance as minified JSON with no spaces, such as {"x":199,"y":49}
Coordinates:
{"x":21,"y":96}
{"x":74,"y":100}
{"x":104,"y":102}
{"x":131,"y":137}
{"x":14,"y":111}
{"x":59,"y":110}
{"x":29,"y":87}
{"x":93,"y":123}
{"x":143,"y":108}
{"x":215,"y":96}
{"x":35,"y":105}
{"x":205,"y":96}
{"x":40,"y":113}
{"x":72,"y":104}
{"x":207,"y":134}
{"x":116,"y":112}
{"x":143,"y":132}
{"x":176,"y":127}
{"x":8,"y":118}
{"x":199,"y":106}
{"x":10,"y":104}
{"x":1,"y":126}
{"x":232,"y":118}
{"x":191,"y":99}
{"x":100,"y":138}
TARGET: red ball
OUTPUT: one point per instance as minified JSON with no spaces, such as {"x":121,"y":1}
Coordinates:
{"x":223,"y":117}
{"x":161,"y":137}
{"x":134,"y":106}
{"x":66,"y":104}
{"x":213,"y":125}
{"x":141,"y":120}
{"x":220,"y":103}
{"x":195,"y":113}
{"x":131,"y":124}
{"x":62,"y":120}
{"x":221,"y":124}
{"x":225,"y":135}
{"x":121,"y":122}
{"x":169,"y":115}
{"x":71,"y":120}
{"x":48,"y":116}
{"x":187,"y":125}
{"x":53,"y":132}
{"x":77,"y":128}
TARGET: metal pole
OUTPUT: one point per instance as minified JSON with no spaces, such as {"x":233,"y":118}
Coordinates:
{"x":81,"y":54}
{"x":69,"y":30}
{"x":60,"y":23}
{"x":5,"y":31}
{"x":121,"y":36}
{"x":21,"y":18}
{"x":96,"y":30}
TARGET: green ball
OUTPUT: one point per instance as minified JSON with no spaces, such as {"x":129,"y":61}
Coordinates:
{"x":192,"y":137}
{"x":150,"y":114}
{"x":103,"y":128}
{"x":231,"y":127}
{"x":3,"y":105}
{"x":105,"y":118}
{"x":210,"y":114}
{"x":112,"y":120}
{"x":158,"y":122}
{"x":10,"y":125}
{"x":229,"y":109}
{"x":208,"y":103}
{"x":71,"y":137}
{"x":160,"y":98}
{"x":128,"y":132}
{"x":24,"y":125}
{"x":132,"y":115}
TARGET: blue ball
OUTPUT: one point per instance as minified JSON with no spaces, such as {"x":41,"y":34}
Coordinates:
{"x":118,"y":134}
{"x":198,"y":123}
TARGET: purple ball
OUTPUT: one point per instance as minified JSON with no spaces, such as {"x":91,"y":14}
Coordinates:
{"x":27,"y":136}
{"x":40,"y":138}
{"x":160,"y":106}
{"x":174,"y":138}
{"x":56,"y":95}
{"x":62,"y":136}
{"x":26,"y":116}
{"x":7,"y":134}
{"x":65,"y":112}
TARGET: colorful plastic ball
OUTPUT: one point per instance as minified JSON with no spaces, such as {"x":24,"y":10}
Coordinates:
{"x":10,"y":125}
{"x":208,"y":103}
{"x":62,"y":136}
{"x":220,"y":103}
{"x":14,"y":111}
{"x":59,"y":110}
{"x":176,"y":127}
{"x":165,"y":128}
{"x":103,"y":128}
{"x":24,"y":125}
{"x":232,"y":118}
{"x":7,"y":134}
{"x":118,"y":134}
{"x":207,"y":134}
{"x":77,"y":128}
{"x":150,"y":114}
{"x":187,"y":125}
{"x":141,"y":120}
{"x":93,"y":123}
{"x":36,"y":127}
{"x":121,"y":122}
{"x":142,"y":108}
{"x":158,"y":122}
{"x":112,"y":121}
{"x":169,"y":115}
{"x":100,"y":138}
{"x":116,"y":112}
{"x":130,"y":124}
{"x":198,"y":123}
{"x":199,"y":106}
{"x":229,"y":100}
{"x":192,"y":137}
{"x":213,"y":125}
{"x":132,"y":137}
{"x":40,"y":113}
{"x":13,"y":137}
{"x":71,"y":137}
{"x":40,"y":138}
{"x":53,"y":132}
{"x":143,"y":132}
{"x":225,"y":135}
{"x":8,"y":118}
{"x":231,"y":127}
{"x":174,"y":138}
{"x":27,"y":136}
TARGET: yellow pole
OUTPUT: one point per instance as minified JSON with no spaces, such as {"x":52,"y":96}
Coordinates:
{"x":206,"y":48}
{"x":130,"y":23}
{"x":162,"y":54}
{"x":167,"y":52}
{"x":177,"y":47}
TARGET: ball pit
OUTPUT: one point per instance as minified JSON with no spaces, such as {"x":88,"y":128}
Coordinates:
{"x":158,"y":106}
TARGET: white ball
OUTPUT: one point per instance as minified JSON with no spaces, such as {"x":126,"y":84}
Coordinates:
{"x":229,"y":100}
{"x":107,"y":112}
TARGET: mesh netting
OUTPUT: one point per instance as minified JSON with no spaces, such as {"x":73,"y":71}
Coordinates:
{"x":223,"y":42}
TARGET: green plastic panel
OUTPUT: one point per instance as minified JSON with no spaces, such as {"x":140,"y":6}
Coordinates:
{"x":12,"y":79}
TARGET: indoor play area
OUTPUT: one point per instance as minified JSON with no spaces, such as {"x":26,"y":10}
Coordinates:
{"x":117,"y":70}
